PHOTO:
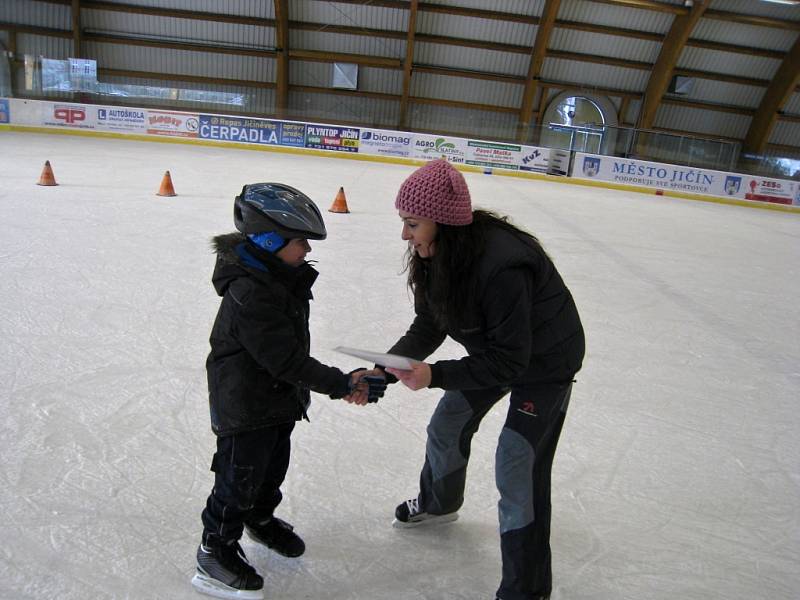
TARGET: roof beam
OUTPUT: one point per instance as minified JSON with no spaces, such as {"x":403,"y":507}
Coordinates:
{"x":482,"y":75}
{"x":726,"y":108}
{"x":738,"y":79}
{"x":709,"y":14}
{"x":155,"y":43}
{"x":76,"y":29}
{"x":749,"y":50}
{"x":780,"y":88}
{"x":13,"y":65}
{"x":407,"y":64}
{"x":546,"y":25}
{"x":648,"y":5}
{"x":175,"y":13}
{"x":493,"y":15}
{"x":360,"y":59}
{"x":282,"y":48}
{"x":34,"y":30}
{"x":671,"y":49}
{"x":722,"y":15}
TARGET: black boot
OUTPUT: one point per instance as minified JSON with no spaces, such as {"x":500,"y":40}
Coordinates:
{"x":223,"y":571}
{"x":278,"y":535}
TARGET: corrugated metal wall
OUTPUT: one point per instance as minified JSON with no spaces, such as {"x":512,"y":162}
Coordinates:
{"x":39,"y":14}
{"x":351,"y":15}
{"x":571,"y":40}
{"x":713,"y":61}
{"x":488,"y":30}
{"x":721,"y":92}
{"x":516,"y":7}
{"x":471,"y":59}
{"x":786,"y":134}
{"x":178,"y":30}
{"x":463,"y":89}
{"x":757,"y":8}
{"x":793,"y":105}
{"x":348,"y":44}
{"x":245,"y":8}
{"x":182,"y":62}
{"x":595,"y":75}
{"x":625,"y":17}
{"x":742,"y":34}
{"x":707,"y":122}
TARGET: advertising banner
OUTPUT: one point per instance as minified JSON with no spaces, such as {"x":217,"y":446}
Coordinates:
{"x":507,"y":156}
{"x":176,"y":124}
{"x":380,"y":142}
{"x":534,"y":159}
{"x":74,"y":116}
{"x":328,"y":137}
{"x":430,"y":147}
{"x":293,"y":134}
{"x":683,"y":179}
{"x":129,"y":120}
{"x":240,"y":129}
{"x":4,"y":111}
{"x":778,"y":191}
{"x":493,"y":154}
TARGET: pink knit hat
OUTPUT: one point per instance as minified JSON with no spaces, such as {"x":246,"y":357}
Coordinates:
{"x":438,"y":192}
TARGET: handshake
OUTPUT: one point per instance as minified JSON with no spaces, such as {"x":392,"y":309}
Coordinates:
{"x":365,"y":386}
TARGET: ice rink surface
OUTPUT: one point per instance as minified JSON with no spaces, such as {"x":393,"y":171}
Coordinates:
{"x":678,"y":471}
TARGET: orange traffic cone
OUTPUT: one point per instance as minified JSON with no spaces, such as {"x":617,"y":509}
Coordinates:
{"x":339,"y":203}
{"x":166,"y":188}
{"x":47,"y":177}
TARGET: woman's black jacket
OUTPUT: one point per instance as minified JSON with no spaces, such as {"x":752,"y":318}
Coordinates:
{"x":523,"y":329}
{"x":259,"y":369}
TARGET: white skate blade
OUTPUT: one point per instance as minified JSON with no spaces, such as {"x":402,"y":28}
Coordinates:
{"x":213,"y":587}
{"x":425,"y":519}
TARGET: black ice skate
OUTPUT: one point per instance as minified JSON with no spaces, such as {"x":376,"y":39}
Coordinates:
{"x":277,"y":535}
{"x":408,"y":514}
{"x":223,"y":572}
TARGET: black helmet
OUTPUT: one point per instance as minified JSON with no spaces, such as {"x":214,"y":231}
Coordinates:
{"x":277,"y":207}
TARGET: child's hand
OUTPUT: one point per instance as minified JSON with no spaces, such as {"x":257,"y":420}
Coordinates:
{"x":367,"y":386}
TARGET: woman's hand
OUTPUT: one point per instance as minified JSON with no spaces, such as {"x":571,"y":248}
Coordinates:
{"x":418,"y":377}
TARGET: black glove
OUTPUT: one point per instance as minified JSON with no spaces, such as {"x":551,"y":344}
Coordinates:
{"x":389,"y":377}
{"x":377,"y":386}
{"x":346,"y":387}
{"x":342,"y":389}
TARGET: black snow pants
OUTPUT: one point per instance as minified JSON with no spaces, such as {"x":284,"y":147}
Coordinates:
{"x":523,"y":462}
{"x":249,"y":469}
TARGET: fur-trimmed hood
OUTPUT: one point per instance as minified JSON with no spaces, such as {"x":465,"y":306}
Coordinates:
{"x":226,"y":243}
{"x":236,"y":257}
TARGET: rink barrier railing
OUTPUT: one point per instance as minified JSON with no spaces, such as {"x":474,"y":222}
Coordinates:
{"x":398,"y":147}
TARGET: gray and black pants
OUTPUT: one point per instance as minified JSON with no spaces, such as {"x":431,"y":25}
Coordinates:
{"x":523,"y":462}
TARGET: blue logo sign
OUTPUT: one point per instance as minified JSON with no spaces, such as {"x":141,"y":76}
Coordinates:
{"x":4,"y":112}
{"x":591,"y":166}
{"x":101,"y":114}
{"x":732,"y":185}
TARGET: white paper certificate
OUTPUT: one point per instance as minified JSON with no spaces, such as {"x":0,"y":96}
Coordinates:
{"x":394,"y":361}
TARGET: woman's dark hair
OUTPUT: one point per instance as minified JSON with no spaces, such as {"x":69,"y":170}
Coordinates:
{"x":446,"y":280}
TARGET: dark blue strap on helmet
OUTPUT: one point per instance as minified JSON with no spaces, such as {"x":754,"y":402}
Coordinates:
{"x":271,"y":241}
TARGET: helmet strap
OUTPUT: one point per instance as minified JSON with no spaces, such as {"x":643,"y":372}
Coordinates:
{"x":271,"y":241}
